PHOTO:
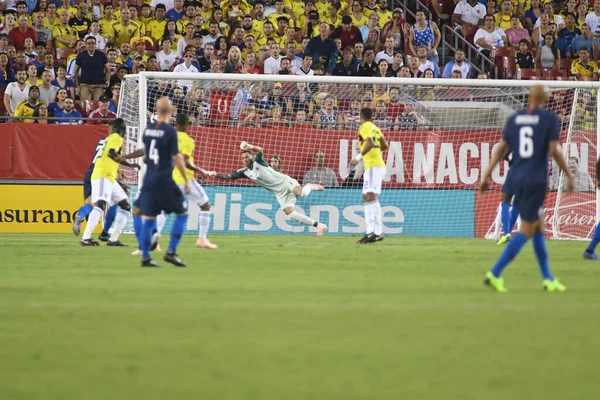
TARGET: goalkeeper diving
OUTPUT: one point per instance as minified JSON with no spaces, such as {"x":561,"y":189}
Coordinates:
{"x":285,"y":188}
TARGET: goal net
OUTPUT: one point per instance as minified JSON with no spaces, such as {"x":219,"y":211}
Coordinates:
{"x":441,"y":133}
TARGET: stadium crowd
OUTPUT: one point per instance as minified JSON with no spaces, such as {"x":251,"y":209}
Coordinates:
{"x":66,"y":61}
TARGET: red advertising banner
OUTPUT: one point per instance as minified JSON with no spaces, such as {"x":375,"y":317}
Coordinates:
{"x":416,"y":159}
{"x":574,"y":217}
{"x":48,"y":152}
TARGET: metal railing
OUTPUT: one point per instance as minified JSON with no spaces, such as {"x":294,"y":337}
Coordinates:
{"x":478,"y":61}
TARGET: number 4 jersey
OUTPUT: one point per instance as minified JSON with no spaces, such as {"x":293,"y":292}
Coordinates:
{"x":528,"y":134}
{"x":160,"y":143}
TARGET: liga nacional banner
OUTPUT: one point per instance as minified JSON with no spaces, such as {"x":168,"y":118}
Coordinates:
{"x":39,"y":208}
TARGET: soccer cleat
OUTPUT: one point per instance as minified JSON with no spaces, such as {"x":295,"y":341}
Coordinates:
{"x":77,"y":224}
{"x":104,"y":236}
{"x":376,"y":238}
{"x":494,"y":283}
{"x":504,"y":239}
{"x":205,"y":244}
{"x":154,"y":241}
{"x":589,"y":256}
{"x":553,"y":286}
{"x":116,"y":243}
{"x":321,"y":228}
{"x":149,"y":263}
{"x":364,"y":239}
{"x":173,"y":259}
{"x":88,"y":242}
{"x":316,"y":187}
{"x":137,"y":252}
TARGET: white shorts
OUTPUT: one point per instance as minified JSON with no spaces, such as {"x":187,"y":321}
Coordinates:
{"x":111,"y":192}
{"x":197,"y":194}
{"x":372,"y":179}
{"x":286,"y":196}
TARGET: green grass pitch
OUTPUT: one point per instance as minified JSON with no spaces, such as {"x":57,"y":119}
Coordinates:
{"x":282,"y":317}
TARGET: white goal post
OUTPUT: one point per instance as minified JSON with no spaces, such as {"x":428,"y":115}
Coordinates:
{"x":441,"y":132}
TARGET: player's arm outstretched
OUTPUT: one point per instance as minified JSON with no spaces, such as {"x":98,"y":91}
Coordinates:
{"x":115,"y":156}
{"x":245,"y":146}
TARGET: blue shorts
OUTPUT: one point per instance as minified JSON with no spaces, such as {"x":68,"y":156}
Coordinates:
{"x":87,"y":183}
{"x":530,"y":200}
{"x":509,"y":183}
{"x":167,"y":198}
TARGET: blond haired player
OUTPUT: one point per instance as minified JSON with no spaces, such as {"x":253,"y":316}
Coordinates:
{"x":285,"y":188}
{"x":372,"y":143}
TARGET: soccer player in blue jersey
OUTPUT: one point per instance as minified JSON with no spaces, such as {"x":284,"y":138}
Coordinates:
{"x":509,"y":217}
{"x":532,"y":133}
{"x":159,"y":191}
{"x":87,"y":207}
{"x":589,"y":253}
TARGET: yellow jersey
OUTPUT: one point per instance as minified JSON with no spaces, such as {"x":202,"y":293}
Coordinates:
{"x":186,"y":148}
{"x":586,"y":70}
{"x":26,"y":109}
{"x":297,"y":6}
{"x":123,"y":34}
{"x":64,"y":32}
{"x":373,"y":158}
{"x":105,"y":167}
{"x":156,"y":29}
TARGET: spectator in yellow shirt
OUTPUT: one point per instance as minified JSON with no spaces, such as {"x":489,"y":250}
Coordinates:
{"x":65,"y":37}
{"x":125,"y":29}
{"x":156,"y":27}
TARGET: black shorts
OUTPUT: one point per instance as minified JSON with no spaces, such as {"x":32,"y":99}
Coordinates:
{"x":87,"y":183}
{"x":530,"y":200}
{"x":167,"y":198}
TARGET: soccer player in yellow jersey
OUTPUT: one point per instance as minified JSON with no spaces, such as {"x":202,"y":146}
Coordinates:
{"x":372,"y":143}
{"x":197,"y":193}
{"x":105,"y":188}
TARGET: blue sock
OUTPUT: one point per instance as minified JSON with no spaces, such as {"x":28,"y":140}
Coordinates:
{"x":514,"y":215}
{"x":505,"y":210}
{"x":510,"y":251}
{"x":146,"y":238}
{"x":85,"y":210}
{"x":137,"y":228}
{"x":176,"y":232}
{"x":109,"y":218}
{"x":539,"y":246}
{"x":595,"y":240}
{"x":154,"y":228}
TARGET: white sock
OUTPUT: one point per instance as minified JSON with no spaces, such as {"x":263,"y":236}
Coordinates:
{"x":203,"y":223}
{"x":498,"y":221}
{"x":93,"y":220}
{"x":369,"y":219}
{"x":161,"y":219}
{"x":377,"y":218}
{"x":120,"y":221}
{"x":303,"y":219}
{"x":306,"y":190}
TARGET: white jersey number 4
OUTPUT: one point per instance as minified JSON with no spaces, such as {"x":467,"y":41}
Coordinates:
{"x":153,"y":153}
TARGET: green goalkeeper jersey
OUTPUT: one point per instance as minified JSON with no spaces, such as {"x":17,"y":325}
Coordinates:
{"x":263,"y":175}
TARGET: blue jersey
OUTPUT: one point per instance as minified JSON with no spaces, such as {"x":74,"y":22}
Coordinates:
{"x":160,"y":143}
{"x":528,"y":134}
